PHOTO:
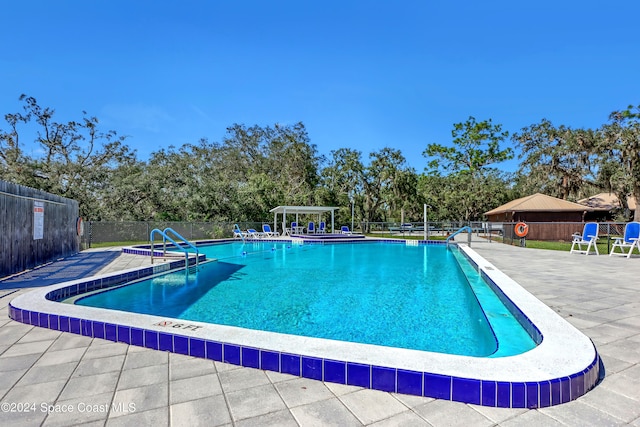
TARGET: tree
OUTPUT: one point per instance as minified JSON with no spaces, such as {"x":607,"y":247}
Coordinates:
{"x":76,"y":157}
{"x":557,"y":160}
{"x":292,"y":163}
{"x":432,"y":189}
{"x":127,"y":194}
{"x":14,"y":166}
{"x":272,"y":166}
{"x":379,"y":190}
{"x":383,"y":183}
{"x":476,"y":146}
{"x":471,"y":181}
{"x":619,"y":154}
{"x":342,"y":183}
{"x":402,"y":195}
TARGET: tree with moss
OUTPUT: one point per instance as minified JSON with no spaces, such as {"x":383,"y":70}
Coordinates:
{"x":556,"y":160}
{"x":619,"y":155}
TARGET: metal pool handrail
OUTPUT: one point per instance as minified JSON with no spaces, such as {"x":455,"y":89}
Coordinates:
{"x":236,"y":227}
{"x":467,"y":228}
{"x":166,"y":237}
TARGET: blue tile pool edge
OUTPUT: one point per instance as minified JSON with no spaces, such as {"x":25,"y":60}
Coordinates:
{"x":427,"y":384}
{"x":512,"y":394}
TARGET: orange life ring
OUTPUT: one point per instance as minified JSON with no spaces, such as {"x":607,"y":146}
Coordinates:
{"x":521,"y":229}
{"x":79,"y":226}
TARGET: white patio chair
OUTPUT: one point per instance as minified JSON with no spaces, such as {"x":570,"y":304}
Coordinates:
{"x":630,"y":240}
{"x":588,"y":237}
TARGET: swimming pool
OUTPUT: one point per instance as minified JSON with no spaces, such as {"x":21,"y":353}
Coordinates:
{"x":562,"y":367}
{"x":415,"y":297}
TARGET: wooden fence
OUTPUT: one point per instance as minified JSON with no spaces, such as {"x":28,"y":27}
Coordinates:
{"x":37,"y":227}
{"x":556,"y":231}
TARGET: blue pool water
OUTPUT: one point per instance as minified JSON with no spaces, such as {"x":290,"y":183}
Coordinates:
{"x":417,"y":297}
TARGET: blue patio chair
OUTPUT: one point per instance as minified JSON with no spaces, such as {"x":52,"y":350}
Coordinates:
{"x":311,"y":228}
{"x":266,"y":231}
{"x":253,"y":234}
{"x":322,"y":228}
{"x":294,"y":228}
{"x":588,"y":237}
{"x":345,"y":230}
{"x":237,"y":233}
{"x":631,"y":239}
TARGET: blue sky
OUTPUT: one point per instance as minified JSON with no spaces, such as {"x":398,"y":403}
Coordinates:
{"x":358,"y":74}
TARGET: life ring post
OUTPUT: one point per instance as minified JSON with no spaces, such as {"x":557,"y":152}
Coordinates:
{"x":521,"y":229}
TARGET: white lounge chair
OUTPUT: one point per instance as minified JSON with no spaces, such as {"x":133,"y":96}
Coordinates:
{"x":630,"y":240}
{"x":588,"y":237}
{"x":239,"y":234}
{"x":266,"y":231}
{"x":253,"y":234}
{"x":311,"y":228}
{"x":322,"y":228}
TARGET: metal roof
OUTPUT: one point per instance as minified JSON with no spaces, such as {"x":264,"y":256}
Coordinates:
{"x":539,"y":203}
{"x":302,"y":209}
{"x":606,"y":202}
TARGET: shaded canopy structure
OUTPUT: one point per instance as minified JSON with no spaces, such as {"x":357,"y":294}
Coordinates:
{"x":301,"y":210}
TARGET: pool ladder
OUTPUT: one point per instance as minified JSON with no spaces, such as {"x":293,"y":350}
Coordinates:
{"x":165,"y":236}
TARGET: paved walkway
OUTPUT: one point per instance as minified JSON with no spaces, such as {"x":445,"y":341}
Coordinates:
{"x":55,"y":378}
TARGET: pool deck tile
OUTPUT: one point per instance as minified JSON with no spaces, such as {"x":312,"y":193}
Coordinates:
{"x":302,"y":391}
{"x":208,"y":411}
{"x":370,"y":406}
{"x":45,"y":366}
{"x":327,"y":412}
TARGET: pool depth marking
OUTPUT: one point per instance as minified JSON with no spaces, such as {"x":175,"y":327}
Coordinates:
{"x":174,"y":325}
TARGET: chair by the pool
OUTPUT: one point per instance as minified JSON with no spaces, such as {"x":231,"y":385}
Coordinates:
{"x":239,"y":234}
{"x":267,"y":232}
{"x":253,"y":234}
{"x":630,"y":240}
{"x":322,"y":228}
{"x":588,"y":237}
{"x":311,"y":228}
{"x":345,"y":229}
{"x":295,"y":229}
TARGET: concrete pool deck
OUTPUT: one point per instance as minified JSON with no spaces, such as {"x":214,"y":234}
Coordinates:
{"x":598,"y":295}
